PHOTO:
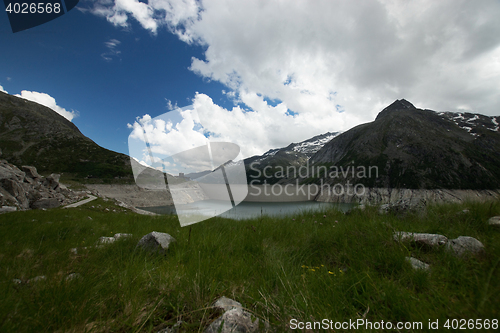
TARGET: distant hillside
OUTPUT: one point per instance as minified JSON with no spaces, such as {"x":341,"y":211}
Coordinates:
{"x":414,"y":148}
{"x":32,"y":134}
{"x":274,"y":160}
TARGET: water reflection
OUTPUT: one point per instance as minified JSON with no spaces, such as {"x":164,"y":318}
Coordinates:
{"x":249,"y":210}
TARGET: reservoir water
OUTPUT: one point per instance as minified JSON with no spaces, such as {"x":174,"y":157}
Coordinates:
{"x":249,"y":210}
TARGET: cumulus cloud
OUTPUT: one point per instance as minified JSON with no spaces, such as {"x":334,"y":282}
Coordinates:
{"x":334,"y":64}
{"x":48,"y":101}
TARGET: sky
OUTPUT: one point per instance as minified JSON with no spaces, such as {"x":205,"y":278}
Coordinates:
{"x":261,"y":74}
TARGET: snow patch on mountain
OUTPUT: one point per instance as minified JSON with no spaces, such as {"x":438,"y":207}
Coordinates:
{"x":311,"y":146}
{"x":471,"y":122}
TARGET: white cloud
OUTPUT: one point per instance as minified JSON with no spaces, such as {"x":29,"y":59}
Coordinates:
{"x":112,"y":51}
{"x":317,"y":56}
{"x":170,"y":105}
{"x":48,"y":101}
{"x":2,"y":89}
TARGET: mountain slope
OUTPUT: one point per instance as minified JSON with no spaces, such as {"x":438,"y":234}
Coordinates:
{"x":414,"y":148}
{"x":32,"y":134}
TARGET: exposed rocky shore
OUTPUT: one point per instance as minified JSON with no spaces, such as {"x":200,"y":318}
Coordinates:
{"x":133,"y":195}
{"x":408,"y":197}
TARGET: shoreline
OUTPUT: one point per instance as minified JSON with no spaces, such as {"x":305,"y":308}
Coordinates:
{"x":135,"y":196}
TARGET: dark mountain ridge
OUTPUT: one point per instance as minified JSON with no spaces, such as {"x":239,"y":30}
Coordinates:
{"x":416,"y":149}
{"x":32,"y":134}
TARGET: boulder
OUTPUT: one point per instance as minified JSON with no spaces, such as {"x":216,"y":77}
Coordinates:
{"x":7,"y":209}
{"x":234,"y":321}
{"x":31,"y":172}
{"x":120,"y":235}
{"x":465,"y":245}
{"x":106,"y":240}
{"x":45,"y":203}
{"x":432,"y":240}
{"x":13,"y":187}
{"x":235,"y":318}
{"x":417,"y":264}
{"x":156,"y":241}
{"x":16,"y":190}
{"x":52,"y":181}
{"x":9,"y":171}
{"x":227,"y":304}
{"x":494,"y":221}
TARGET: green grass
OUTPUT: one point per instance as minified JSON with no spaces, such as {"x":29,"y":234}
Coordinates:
{"x":278,"y":268}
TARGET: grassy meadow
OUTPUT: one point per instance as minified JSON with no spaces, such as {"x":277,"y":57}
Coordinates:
{"x":306,"y":267}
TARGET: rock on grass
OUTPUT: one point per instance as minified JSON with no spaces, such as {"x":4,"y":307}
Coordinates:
{"x":156,"y":241}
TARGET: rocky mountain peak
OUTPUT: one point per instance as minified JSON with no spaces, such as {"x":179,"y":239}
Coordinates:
{"x":397,"y":105}
{"x":400,"y":104}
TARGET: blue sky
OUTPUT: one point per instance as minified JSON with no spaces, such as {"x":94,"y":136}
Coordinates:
{"x":262,"y":73}
{"x":70,"y":59}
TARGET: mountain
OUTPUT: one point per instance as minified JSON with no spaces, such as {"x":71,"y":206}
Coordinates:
{"x":275,"y":160}
{"x":32,"y":134}
{"x":413,"y":148}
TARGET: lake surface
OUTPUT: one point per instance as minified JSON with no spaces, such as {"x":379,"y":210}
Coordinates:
{"x":249,"y":210}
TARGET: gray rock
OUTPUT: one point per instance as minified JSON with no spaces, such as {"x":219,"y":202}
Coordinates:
{"x":46,"y":203}
{"x":10,"y":171}
{"x":465,"y":245}
{"x":494,"y":221}
{"x":12,"y":186}
{"x":417,"y":264}
{"x":37,"y":279}
{"x":234,"y":321}
{"x":73,"y":276}
{"x":7,"y":199}
{"x":106,"y":240}
{"x":7,"y":209}
{"x":120,"y":235}
{"x":227,"y":304}
{"x":31,"y":172}
{"x":384,"y":209}
{"x":156,"y":241}
{"x":52,"y":181}
{"x":432,"y":240}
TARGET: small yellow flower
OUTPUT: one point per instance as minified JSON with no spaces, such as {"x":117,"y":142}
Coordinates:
{"x":331,"y":273}
{"x":312,"y":270}
{"x":322,"y":265}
